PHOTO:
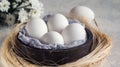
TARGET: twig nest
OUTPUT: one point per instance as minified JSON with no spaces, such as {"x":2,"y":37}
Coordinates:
{"x":84,"y":14}
{"x":53,"y":37}
{"x":36,"y":28}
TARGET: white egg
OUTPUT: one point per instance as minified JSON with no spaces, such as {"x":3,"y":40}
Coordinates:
{"x":36,"y":27}
{"x":57,"y":22}
{"x":53,"y":37}
{"x":84,"y":14}
{"x":73,"y":32}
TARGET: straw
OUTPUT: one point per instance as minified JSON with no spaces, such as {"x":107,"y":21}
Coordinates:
{"x":100,"y":49}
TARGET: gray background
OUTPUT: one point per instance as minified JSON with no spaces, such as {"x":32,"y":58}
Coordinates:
{"x":107,"y":15}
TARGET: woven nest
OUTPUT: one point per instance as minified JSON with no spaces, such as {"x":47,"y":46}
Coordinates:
{"x":99,"y":50}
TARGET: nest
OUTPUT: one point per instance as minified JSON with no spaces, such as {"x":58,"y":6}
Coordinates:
{"x":101,"y":46}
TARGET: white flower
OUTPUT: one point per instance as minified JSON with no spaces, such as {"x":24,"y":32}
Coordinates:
{"x":35,"y":13}
{"x":23,"y":16}
{"x":41,"y":10}
{"x":4,"y":5}
{"x":37,"y":7}
{"x":24,"y":4}
{"x":10,"y":19}
{"x":18,"y":0}
{"x":14,"y":5}
{"x":36,"y":3}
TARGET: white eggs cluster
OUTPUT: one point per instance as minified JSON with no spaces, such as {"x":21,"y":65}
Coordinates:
{"x":57,"y":30}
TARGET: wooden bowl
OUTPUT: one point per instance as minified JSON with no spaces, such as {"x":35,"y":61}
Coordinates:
{"x":52,"y":57}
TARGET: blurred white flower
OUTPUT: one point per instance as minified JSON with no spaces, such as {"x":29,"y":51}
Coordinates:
{"x":4,"y":5}
{"x":37,"y":7}
{"x":35,"y":13}
{"x":23,"y":9}
{"x":23,"y":16}
{"x":14,"y":5}
{"x":18,"y":0}
{"x":41,"y":9}
{"x":10,"y":19}
{"x":24,"y":4}
{"x":36,"y":3}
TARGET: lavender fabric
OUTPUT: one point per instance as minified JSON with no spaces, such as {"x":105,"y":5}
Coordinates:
{"x":33,"y":42}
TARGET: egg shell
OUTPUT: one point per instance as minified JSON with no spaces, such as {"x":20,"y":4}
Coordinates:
{"x":73,"y":32}
{"x":83,"y":13}
{"x":53,"y":37}
{"x":57,"y":22}
{"x":36,"y":28}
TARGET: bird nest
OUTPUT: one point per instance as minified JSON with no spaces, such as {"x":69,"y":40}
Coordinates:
{"x":100,"y":48}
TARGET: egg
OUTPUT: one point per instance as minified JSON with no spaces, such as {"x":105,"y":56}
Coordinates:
{"x":84,"y":14}
{"x":52,"y":37}
{"x":36,"y":28}
{"x":73,"y":32}
{"x":57,"y":22}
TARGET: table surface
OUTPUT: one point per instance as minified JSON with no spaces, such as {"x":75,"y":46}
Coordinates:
{"x":107,"y":15}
